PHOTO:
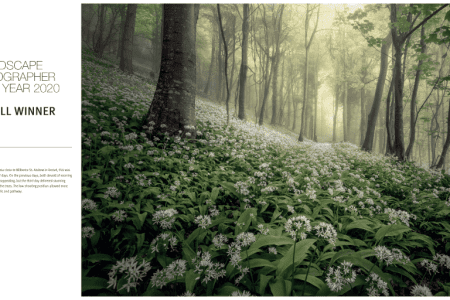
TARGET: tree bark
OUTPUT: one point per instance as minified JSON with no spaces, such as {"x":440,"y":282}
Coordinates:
{"x":126,"y":57}
{"x":173,"y":106}
{"x":244,"y":66}
{"x":412,"y":133}
{"x":307,"y":45}
{"x":368,"y":140}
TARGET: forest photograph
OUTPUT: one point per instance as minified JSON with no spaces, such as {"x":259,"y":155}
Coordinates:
{"x":293,"y":149}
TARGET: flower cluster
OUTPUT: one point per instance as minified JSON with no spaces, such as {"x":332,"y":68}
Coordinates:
{"x":390,"y":256}
{"x":298,"y":224}
{"x":337,"y":279}
{"x":420,"y":291}
{"x":443,"y":260}
{"x":203,"y":221}
{"x":429,"y":265}
{"x":134,"y":272}
{"x":119,"y":215}
{"x":87,"y":232}
{"x":165,"y":218}
{"x":161,"y":277}
{"x":326,"y":231}
{"x":112,"y":192}
{"x":88,"y":204}
{"x":206,"y":269}
{"x":262,"y":229}
{"x":376,"y":286}
{"x":219,"y":240}
{"x":401,"y":215}
{"x":162,"y":242}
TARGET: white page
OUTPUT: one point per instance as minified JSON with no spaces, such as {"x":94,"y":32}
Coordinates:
{"x":41,"y":234}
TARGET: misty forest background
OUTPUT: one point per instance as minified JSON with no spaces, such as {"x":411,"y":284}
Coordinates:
{"x":212,"y":161}
{"x":340,"y":44}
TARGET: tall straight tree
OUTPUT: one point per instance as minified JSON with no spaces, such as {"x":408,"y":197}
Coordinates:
{"x":173,"y":106}
{"x":373,"y":115}
{"x":126,"y":57}
{"x":309,"y":12}
{"x":244,"y":66}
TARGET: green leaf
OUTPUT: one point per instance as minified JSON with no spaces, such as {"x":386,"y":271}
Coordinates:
{"x":245,"y":219}
{"x":230,"y":187}
{"x":278,"y":287}
{"x":364,"y":224}
{"x":263,"y":280}
{"x":140,"y":240}
{"x":226,"y":290}
{"x":402,"y":272}
{"x":105,"y":151}
{"x":190,"y":281}
{"x":301,"y":249}
{"x":93,"y":283}
{"x":391,"y":230}
{"x":214,"y":193}
{"x":311,"y":279}
{"x":259,"y":262}
{"x":98,"y":257}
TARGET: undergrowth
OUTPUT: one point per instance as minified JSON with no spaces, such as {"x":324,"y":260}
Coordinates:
{"x":246,"y":210}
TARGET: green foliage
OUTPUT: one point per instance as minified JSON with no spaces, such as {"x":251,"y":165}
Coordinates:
{"x":215,"y":209}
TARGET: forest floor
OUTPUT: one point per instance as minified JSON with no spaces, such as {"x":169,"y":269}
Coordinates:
{"x":247,"y":210}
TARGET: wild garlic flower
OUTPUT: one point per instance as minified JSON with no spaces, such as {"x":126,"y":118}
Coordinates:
{"x":161,"y":277}
{"x":401,"y":215}
{"x":219,"y":240}
{"x":165,"y":218}
{"x":203,"y":221}
{"x":245,"y":239}
{"x":273,"y":250}
{"x":188,"y":293}
{"x":134,"y":272}
{"x":112,"y":192}
{"x":205,"y":268}
{"x":298,"y":224}
{"x":263,"y":230}
{"x":291,"y":209}
{"x":163,"y":241}
{"x":87,"y":232}
{"x":326,"y":231}
{"x":88,"y":204}
{"x":429,"y":265}
{"x":119,"y":215}
{"x":443,"y":260}
{"x":376,"y":285}
{"x":213,"y":211}
{"x":390,"y":256}
{"x":241,"y":294}
{"x":337,"y":278}
{"x":420,"y":291}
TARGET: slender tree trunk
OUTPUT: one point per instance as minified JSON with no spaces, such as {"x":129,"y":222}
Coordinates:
{"x":412,"y":132}
{"x":368,"y":139}
{"x":126,"y":58}
{"x":98,"y":44}
{"x":211,"y":65}
{"x":226,"y":63}
{"x":244,"y":67}
{"x":173,"y":105}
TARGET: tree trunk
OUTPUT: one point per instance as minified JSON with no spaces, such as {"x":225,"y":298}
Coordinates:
{"x":412,"y":132}
{"x":307,"y":45}
{"x":126,"y":57}
{"x":99,"y":46}
{"x":123,"y":15}
{"x":213,"y":51}
{"x":244,"y":67}
{"x":173,"y":106}
{"x":368,"y":140}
